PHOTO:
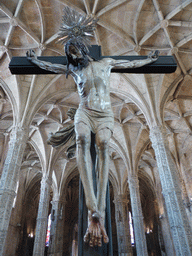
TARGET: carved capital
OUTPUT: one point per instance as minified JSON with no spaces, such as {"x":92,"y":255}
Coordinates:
{"x":158,"y":136}
{"x":19,"y":131}
{"x":6,"y":134}
{"x":157,"y":130}
{"x":18,"y":138}
{"x":58,"y":203}
{"x":133,"y":181}
{"x":121,"y":200}
{"x":46,"y":181}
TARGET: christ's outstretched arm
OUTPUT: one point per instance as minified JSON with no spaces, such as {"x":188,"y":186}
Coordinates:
{"x":56,"y":68}
{"x":152,"y":57}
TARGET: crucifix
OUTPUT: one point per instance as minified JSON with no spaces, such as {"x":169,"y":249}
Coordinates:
{"x":163,"y":65}
{"x":91,"y":73}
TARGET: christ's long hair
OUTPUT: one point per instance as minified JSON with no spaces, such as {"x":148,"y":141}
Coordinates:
{"x":78,"y":63}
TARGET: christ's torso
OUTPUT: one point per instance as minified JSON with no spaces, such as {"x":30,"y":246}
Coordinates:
{"x":93,"y":86}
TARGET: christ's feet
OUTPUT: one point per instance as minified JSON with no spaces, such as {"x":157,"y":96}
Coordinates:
{"x":95,"y":231}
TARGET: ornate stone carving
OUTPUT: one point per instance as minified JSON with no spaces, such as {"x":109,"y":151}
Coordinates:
{"x":168,"y":173}
{"x":122,"y":224}
{"x":9,"y":178}
{"x":41,"y":225}
{"x":140,"y":239}
{"x":57,"y":228}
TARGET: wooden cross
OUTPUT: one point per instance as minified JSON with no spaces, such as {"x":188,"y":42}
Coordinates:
{"x":163,"y":65}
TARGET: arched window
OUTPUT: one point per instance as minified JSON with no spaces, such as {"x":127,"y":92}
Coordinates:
{"x":131,"y":229}
{"x":48,"y":231}
{"x":16,"y":190}
{"x":75,"y":241}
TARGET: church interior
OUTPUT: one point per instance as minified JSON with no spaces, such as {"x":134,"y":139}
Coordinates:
{"x":150,"y":175}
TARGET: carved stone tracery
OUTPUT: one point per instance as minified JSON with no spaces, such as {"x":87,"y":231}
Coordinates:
{"x":172,"y":192}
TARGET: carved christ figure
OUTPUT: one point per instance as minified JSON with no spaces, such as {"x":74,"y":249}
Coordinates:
{"x":93,"y":115}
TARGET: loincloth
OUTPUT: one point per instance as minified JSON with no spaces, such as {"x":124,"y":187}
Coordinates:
{"x":95,"y":120}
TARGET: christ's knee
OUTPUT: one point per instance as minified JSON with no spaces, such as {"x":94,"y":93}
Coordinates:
{"x":83,"y":141}
{"x":102,"y":140}
{"x":103,"y":145}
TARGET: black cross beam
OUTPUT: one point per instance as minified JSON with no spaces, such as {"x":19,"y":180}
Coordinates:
{"x":164,"y":64}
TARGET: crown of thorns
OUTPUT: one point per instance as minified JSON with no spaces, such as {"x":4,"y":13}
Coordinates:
{"x":77,"y":27}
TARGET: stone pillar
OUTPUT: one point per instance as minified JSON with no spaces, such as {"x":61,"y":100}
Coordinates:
{"x":5,"y":149}
{"x":57,"y":228}
{"x":9,"y":179}
{"x":42,"y":218}
{"x":139,"y":231}
{"x":171,"y":189}
{"x":122,"y":224}
{"x":166,"y":241}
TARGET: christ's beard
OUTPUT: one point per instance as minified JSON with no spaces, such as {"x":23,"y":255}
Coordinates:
{"x":80,"y":63}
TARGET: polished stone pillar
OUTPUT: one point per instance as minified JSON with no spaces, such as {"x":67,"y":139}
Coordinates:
{"x":171,"y":189}
{"x":9,"y":178}
{"x":57,"y":228}
{"x":42,"y":217}
{"x":140,"y":238}
{"x":122,"y":225}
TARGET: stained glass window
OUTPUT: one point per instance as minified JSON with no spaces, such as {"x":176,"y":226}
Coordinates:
{"x":131,"y":229}
{"x":48,"y":231}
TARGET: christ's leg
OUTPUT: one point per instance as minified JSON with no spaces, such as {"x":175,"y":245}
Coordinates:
{"x":83,"y":140}
{"x":102,"y":141}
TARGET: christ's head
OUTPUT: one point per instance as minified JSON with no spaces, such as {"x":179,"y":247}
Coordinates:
{"x":77,"y":54}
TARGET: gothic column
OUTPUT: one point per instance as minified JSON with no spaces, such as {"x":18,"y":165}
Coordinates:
{"x":10,"y":175}
{"x":42,"y":217}
{"x":57,"y":228}
{"x":122,"y":224}
{"x":139,"y":231}
{"x":5,"y":149}
{"x":172,"y":194}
